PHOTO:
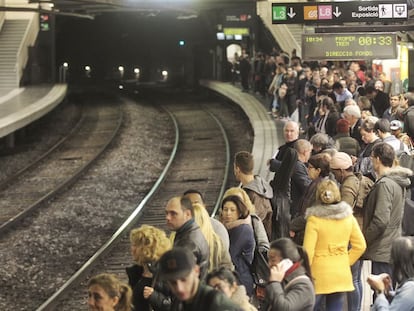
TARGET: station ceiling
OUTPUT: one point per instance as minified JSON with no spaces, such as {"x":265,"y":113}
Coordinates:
{"x":91,"y":8}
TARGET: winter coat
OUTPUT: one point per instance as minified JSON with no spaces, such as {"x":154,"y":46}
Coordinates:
{"x":383,"y":213}
{"x":260,"y":193}
{"x":191,"y":237}
{"x":206,"y":299}
{"x":160,"y":300}
{"x":294,"y":293}
{"x":347,"y":144}
{"x":329,"y":230}
{"x":242,"y":245}
{"x":402,"y":301}
{"x":349,"y":193}
{"x":299,"y":183}
{"x":409,"y":121}
{"x":364,"y":162}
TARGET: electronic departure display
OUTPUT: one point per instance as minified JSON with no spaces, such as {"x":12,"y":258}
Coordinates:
{"x":349,"y":46}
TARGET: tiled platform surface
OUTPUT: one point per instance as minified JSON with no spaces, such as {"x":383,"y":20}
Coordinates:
{"x":22,"y":106}
{"x":268,"y":134}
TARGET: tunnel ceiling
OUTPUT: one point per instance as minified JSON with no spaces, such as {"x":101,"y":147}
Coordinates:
{"x":91,"y":8}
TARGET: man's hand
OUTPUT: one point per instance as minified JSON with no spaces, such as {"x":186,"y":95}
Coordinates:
{"x":147,"y":292}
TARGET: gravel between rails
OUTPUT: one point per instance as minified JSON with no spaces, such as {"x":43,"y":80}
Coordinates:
{"x":54,"y":240}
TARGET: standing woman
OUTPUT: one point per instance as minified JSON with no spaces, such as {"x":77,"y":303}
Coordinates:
{"x":330,"y":230}
{"x":148,"y":244}
{"x":318,"y":170}
{"x":107,"y":293}
{"x":290,"y":286}
{"x":363,"y":164}
{"x":236,"y":218}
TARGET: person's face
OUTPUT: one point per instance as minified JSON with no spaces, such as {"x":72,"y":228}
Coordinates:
{"x":403,"y":102}
{"x":230,"y":212}
{"x":313,"y":172}
{"x":274,"y":257}
{"x":98,"y":299}
{"x":394,"y":101}
{"x":291,"y":132}
{"x":236,"y":171}
{"x":375,"y":163}
{"x":186,"y":287}
{"x":366,"y":136}
{"x":223,"y":286}
{"x":379,"y":86}
{"x":175,"y":215}
{"x":348,"y":117}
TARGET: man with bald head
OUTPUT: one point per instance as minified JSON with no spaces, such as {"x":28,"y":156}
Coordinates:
{"x":179,"y":215}
{"x":291,"y":134}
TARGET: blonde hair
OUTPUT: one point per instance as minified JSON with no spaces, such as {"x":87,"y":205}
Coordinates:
{"x":113,"y":287}
{"x":214,"y":242}
{"x":243,"y":195}
{"x":153,"y":243}
{"x":328,"y":192}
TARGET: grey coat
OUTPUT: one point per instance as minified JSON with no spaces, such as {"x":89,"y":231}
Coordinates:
{"x":295,"y":293}
{"x":383,"y":213}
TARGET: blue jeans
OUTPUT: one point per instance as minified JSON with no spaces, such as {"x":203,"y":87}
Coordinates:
{"x":354,"y":297}
{"x":334,"y":301}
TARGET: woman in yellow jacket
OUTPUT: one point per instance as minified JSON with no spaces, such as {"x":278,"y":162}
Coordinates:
{"x":333,"y":241}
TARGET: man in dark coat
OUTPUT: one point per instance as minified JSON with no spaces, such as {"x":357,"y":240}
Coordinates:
{"x":384,"y":208}
{"x":179,"y":269}
{"x":291,"y":134}
{"x":245,"y":68}
{"x":180,"y":218}
{"x":380,"y":101}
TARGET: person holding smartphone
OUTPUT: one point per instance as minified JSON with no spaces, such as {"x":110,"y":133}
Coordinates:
{"x":402,"y":299}
{"x":290,"y":284}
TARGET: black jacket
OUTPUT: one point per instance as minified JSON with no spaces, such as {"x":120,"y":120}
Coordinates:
{"x":206,"y":299}
{"x":191,"y":237}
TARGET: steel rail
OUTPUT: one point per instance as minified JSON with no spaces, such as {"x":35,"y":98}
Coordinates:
{"x":52,"y":302}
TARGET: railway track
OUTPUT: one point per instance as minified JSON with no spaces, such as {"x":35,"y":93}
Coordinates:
{"x":199,"y":160}
{"x":23,"y":192}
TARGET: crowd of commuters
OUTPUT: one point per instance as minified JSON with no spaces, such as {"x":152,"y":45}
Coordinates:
{"x":338,"y":195}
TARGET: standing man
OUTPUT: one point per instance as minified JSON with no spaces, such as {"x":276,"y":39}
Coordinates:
{"x":179,"y":269}
{"x":195,"y":196}
{"x":259,"y":190}
{"x":245,"y":68}
{"x":353,"y":115}
{"x":291,"y":134}
{"x":180,"y":218}
{"x":384,"y":208}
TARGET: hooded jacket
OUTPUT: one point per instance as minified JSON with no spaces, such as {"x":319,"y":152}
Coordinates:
{"x":383,"y":213}
{"x":330,"y":229}
{"x":260,"y":193}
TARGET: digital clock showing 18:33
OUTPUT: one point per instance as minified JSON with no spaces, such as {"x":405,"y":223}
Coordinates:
{"x":382,"y":40}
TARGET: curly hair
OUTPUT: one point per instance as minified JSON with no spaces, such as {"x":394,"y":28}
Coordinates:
{"x":153,"y":243}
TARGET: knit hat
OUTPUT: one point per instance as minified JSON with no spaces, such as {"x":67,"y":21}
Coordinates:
{"x":395,"y":125}
{"x":341,"y":160}
{"x":176,"y":263}
{"x":342,"y":126}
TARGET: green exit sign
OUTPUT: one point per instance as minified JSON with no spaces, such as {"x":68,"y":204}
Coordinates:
{"x":278,"y":13}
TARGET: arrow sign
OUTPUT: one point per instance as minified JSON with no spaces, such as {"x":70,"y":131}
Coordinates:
{"x":291,"y":13}
{"x":337,"y":13}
